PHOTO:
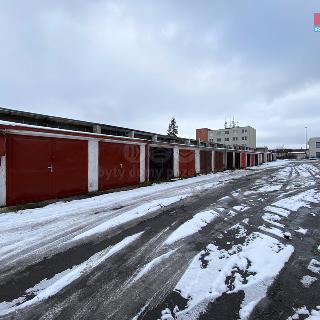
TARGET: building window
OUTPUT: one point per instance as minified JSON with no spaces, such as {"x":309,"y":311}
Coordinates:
{"x":235,"y":139}
{"x":245,"y":138}
{"x":226,"y":132}
{"x":242,"y":138}
{"x":227,"y":139}
{"x":242,"y":130}
{"x":246,"y":130}
{"x":318,"y":155}
{"x":318,"y":145}
{"x":219,"y":140}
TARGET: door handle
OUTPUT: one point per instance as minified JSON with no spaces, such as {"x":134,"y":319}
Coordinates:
{"x":51,"y":168}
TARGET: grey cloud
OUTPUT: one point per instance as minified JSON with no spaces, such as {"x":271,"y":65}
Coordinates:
{"x":137,"y":64}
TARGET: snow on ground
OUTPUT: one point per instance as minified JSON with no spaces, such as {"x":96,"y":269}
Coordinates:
{"x":272,"y":230}
{"x":240,"y":208}
{"x":49,"y":287}
{"x":307,"y":281}
{"x":300,"y":311}
{"x":302,"y":231}
{"x":303,"y":311}
{"x":272,"y":219}
{"x":199,"y":221}
{"x":249,"y":271}
{"x":152,"y":264}
{"x":314,"y":266}
{"x":280,"y":211}
{"x":273,"y":164}
{"x":241,"y":231}
{"x":270,"y":188}
{"x":130,"y":215}
{"x":314,"y":314}
{"x":300,"y":200}
{"x":34,"y":232}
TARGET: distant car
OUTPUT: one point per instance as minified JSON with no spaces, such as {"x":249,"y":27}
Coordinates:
{"x":313,"y":158}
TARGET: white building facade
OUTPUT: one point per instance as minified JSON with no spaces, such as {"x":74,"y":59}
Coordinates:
{"x":243,"y":136}
{"x":314,"y":147}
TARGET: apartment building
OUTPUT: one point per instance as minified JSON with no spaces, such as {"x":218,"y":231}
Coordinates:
{"x":314,"y":147}
{"x":243,"y":136}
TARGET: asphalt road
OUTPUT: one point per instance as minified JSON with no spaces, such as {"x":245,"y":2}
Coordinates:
{"x":189,"y":276}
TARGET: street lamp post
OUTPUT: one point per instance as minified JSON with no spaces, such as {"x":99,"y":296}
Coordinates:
{"x":306,"y":140}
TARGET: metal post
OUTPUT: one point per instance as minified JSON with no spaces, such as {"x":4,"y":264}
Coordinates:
{"x":306,"y":137}
{"x":306,"y":141}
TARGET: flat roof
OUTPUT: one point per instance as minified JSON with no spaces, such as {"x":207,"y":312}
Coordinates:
{"x":43,"y":120}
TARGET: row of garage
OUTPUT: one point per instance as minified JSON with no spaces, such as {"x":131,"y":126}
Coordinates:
{"x":41,"y":164}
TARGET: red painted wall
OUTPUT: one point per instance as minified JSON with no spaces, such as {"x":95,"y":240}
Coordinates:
{"x":119,"y":165}
{"x":187,"y":163}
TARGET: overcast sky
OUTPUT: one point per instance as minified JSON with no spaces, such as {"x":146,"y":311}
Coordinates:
{"x":138,"y":63}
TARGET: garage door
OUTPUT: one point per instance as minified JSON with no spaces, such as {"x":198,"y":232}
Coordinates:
{"x":40,"y":168}
{"x":160,"y":163}
{"x":243,"y":160}
{"x":248,"y":160}
{"x":237,"y":160}
{"x":70,"y":167}
{"x":252,"y":162}
{"x":229,"y":160}
{"x":187,"y":163}
{"x":218,"y":160}
{"x":119,"y":165}
{"x":205,"y":161}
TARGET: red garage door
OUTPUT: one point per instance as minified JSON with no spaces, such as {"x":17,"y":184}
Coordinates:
{"x":41,"y":168}
{"x":70,"y":167}
{"x":218,"y":160}
{"x":243,"y":160}
{"x":252,"y":160}
{"x":187,"y":163}
{"x":119,"y":165}
{"x":205,"y":161}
